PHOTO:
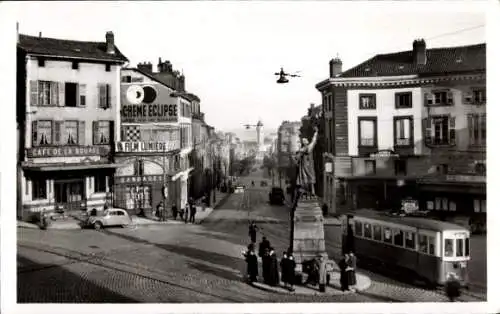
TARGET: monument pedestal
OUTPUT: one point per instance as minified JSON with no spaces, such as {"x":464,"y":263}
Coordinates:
{"x":308,"y":232}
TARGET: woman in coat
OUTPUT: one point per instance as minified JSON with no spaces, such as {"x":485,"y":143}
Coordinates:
{"x":322,"y":274}
{"x":284,"y":268}
{"x":343,"y":273}
{"x":266,"y":265}
{"x":252,"y":264}
{"x":274,"y":275}
{"x":351,"y":271}
{"x":290,"y":274}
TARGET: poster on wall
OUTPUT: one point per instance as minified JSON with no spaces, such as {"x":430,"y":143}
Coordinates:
{"x":147,"y":103}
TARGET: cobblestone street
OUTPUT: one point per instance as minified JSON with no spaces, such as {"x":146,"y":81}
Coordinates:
{"x":175,"y":262}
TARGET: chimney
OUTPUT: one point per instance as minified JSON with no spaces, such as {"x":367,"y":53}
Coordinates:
{"x":335,"y":67}
{"x":40,"y":34}
{"x":145,"y":67}
{"x":110,"y":43}
{"x":419,"y":52}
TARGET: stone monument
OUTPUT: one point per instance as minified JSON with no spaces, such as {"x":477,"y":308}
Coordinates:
{"x":308,"y":231}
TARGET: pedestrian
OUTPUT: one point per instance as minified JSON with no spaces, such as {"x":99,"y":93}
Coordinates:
{"x":252,"y":232}
{"x":181,"y":213}
{"x":192,"y":213}
{"x":351,"y":271}
{"x":291,"y":271}
{"x":265,"y":244}
{"x":252,"y":264}
{"x":266,"y":266}
{"x":349,"y":240}
{"x":274,"y":275}
{"x":186,"y":213}
{"x":343,"y":273}
{"x":159,"y":210}
{"x":175,"y":211}
{"x":452,"y":287}
{"x":203,"y":203}
{"x":284,"y":269}
{"x":324,"y":209}
{"x":322,"y":274}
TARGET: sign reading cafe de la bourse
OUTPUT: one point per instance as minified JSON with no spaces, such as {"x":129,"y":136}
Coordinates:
{"x":145,"y":103}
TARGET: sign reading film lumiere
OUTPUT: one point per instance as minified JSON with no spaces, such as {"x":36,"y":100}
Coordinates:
{"x":145,"y":147}
{"x":147,"y":103}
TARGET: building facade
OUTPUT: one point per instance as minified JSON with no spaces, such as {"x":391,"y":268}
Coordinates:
{"x":68,"y":99}
{"x":153,"y":145}
{"x":287,"y":144}
{"x":409,"y":126}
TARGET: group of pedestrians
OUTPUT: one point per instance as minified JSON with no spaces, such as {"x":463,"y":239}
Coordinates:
{"x":188,"y":212}
{"x":270,"y":266}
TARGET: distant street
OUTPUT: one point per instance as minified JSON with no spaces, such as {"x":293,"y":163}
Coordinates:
{"x":177,"y":262}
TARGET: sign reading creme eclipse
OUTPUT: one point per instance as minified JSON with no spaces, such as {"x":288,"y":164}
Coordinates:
{"x":144,"y":104}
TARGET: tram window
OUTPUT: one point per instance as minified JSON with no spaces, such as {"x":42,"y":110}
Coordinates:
{"x":368,"y":231}
{"x":466,"y":246}
{"x":422,"y":243}
{"x":448,"y":247}
{"x":410,"y":240}
{"x":432,"y":245}
{"x":358,"y":228}
{"x":398,"y":237}
{"x":377,"y":233}
{"x":387,"y":235}
{"x":460,"y":247}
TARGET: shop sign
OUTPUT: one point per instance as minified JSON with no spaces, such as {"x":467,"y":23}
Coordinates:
{"x":148,"y":112}
{"x":384,"y":154}
{"x":409,"y":206}
{"x":139,"y":179}
{"x":146,"y":147}
{"x":66,"y":151}
{"x":466,"y":178}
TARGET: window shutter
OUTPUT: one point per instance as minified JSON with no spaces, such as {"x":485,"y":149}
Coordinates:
{"x":470,"y":126}
{"x":111,"y":132}
{"x":428,"y":99}
{"x":81,"y":132}
{"x":61,"y":90}
{"x":34,"y":133}
{"x":426,"y":126}
{"x":82,"y":91}
{"x":51,"y":140}
{"x":34,"y":93}
{"x":95,"y":132}
{"x":101,"y":93}
{"x":467,"y":96}
{"x":54,"y":94}
{"x":58,"y":127}
{"x":449,"y":98}
{"x":452,"y":131}
{"x":108,"y":96}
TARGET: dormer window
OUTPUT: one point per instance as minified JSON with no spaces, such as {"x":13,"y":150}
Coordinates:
{"x":439,"y":98}
{"x":41,"y":62}
{"x":108,"y":67}
{"x":74,"y":65}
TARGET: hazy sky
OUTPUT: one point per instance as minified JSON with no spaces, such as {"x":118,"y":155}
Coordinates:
{"x":229,"y":51}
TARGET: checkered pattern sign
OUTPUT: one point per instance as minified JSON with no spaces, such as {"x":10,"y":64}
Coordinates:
{"x":132,"y":134}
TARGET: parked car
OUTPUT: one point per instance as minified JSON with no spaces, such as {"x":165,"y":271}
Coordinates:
{"x":263,"y":183}
{"x":239,"y":189}
{"x":276,"y":196}
{"x":110,"y":217}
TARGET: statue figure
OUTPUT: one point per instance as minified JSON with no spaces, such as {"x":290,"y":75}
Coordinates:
{"x":306,"y":177}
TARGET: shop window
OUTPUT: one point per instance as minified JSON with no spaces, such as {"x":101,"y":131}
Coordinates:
{"x":358,"y":228}
{"x":377,"y":233}
{"x":448,"y":247}
{"x":39,"y":189}
{"x":100,"y":183}
{"x":422,"y":243}
{"x":139,"y":168}
{"x":410,"y":240}
{"x":367,"y":231}
{"x":432,"y":245}
{"x":460,"y":247}
{"x":480,"y":206}
{"x":387,"y":235}
{"x":398,"y":237}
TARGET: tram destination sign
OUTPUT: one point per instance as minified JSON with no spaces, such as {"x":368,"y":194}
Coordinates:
{"x":67,"y":151}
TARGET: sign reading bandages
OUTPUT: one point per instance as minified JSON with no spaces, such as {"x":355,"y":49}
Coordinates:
{"x":146,"y":147}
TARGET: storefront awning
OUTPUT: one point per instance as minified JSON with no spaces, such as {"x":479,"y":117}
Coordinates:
{"x":65,"y":167}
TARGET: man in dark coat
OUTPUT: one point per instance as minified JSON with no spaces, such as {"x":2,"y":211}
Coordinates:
{"x":274,"y":275}
{"x":252,"y":264}
{"x":266,"y":266}
{"x":265,"y":244}
{"x":343,"y":273}
{"x":252,"y":232}
{"x":192,"y":213}
{"x":351,"y":271}
{"x":284,"y":269}
{"x":174,"y":211}
{"x":452,"y":287}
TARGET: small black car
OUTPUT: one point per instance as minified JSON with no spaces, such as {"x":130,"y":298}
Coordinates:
{"x":276,"y":196}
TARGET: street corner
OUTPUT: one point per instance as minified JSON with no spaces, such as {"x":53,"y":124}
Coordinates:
{"x":297,"y":290}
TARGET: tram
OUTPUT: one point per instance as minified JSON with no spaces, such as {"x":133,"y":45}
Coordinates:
{"x":426,"y":249}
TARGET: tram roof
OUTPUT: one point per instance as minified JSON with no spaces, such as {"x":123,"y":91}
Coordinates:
{"x":416,"y":222}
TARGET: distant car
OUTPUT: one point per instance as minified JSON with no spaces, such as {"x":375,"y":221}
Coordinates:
{"x":276,"y":196}
{"x":239,"y":189}
{"x":110,"y":217}
{"x":263,"y":183}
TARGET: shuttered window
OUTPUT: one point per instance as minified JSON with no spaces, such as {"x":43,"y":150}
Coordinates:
{"x":439,"y":130}
{"x":104,"y":92}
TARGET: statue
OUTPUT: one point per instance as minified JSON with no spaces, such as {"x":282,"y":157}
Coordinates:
{"x":306,"y":177}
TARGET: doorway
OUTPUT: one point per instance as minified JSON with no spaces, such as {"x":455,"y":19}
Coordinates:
{"x":69,"y":193}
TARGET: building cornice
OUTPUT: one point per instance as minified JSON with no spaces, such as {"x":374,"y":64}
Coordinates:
{"x":394,"y":81}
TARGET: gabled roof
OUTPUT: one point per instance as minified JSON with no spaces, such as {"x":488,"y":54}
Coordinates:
{"x":69,"y":48}
{"x":439,"y":61}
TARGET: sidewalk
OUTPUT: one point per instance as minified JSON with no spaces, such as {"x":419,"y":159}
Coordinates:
{"x":71,"y":223}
